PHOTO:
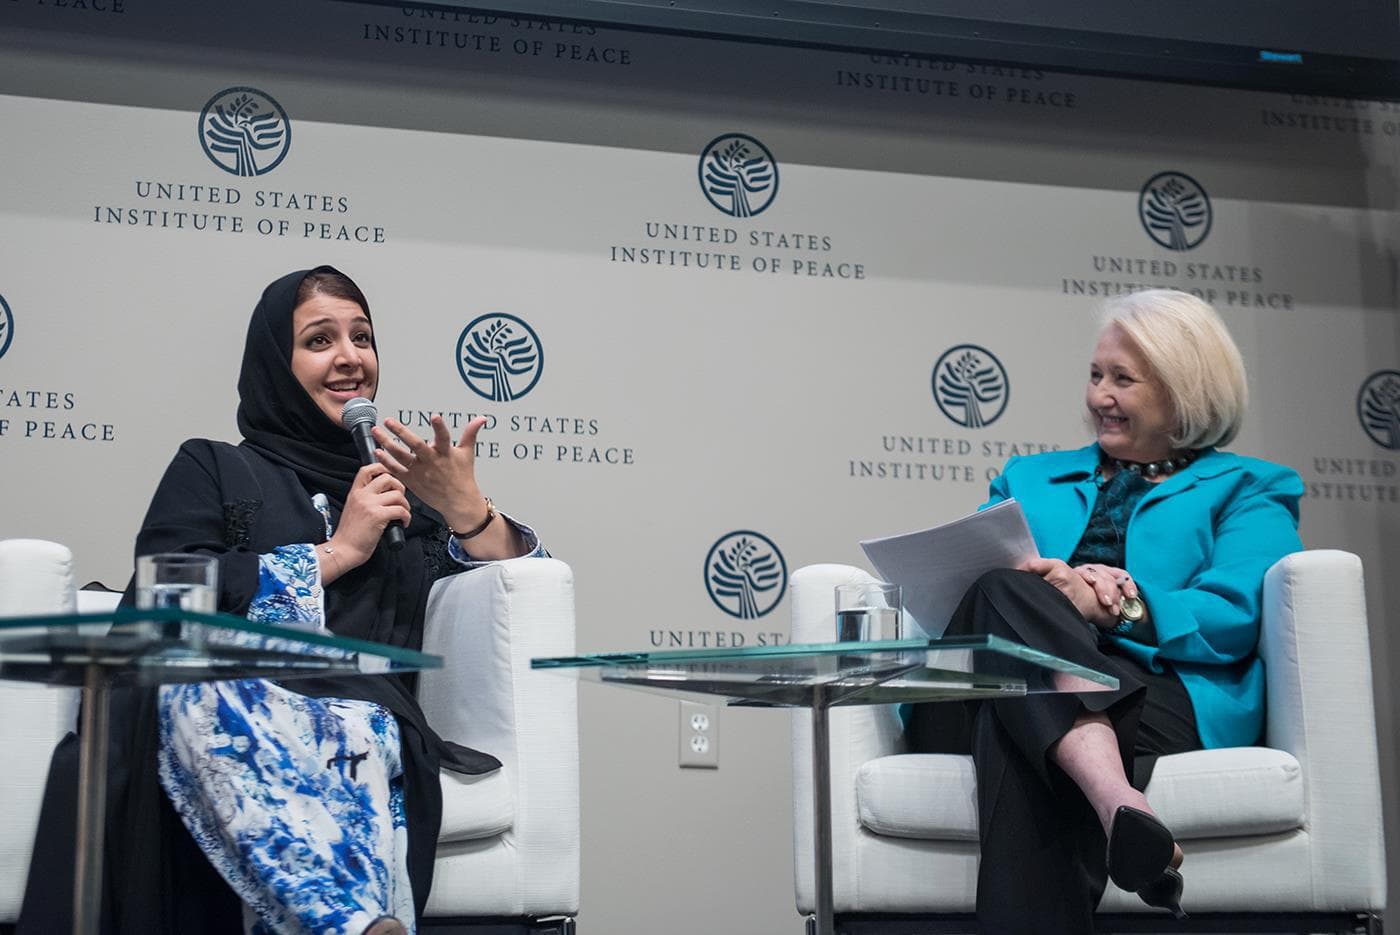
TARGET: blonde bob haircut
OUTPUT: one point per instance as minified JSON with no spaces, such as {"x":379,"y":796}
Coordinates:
{"x":1195,"y":359}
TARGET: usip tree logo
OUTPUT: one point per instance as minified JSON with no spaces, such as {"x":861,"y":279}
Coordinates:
{"x":244,"y":131}
{"x":1378,"y":407}
{"x":738,"y":174}
{"x":7,"y":326}
{"x":500,"y":357}
{"x":970,"y":386}
{"x":1174,"y":210}
{"x":745,"y":574}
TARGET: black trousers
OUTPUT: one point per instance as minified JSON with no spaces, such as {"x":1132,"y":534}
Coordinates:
{"x":1043,"y":867}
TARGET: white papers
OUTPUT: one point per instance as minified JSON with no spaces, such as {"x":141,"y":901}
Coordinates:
{"x":934,"y":567}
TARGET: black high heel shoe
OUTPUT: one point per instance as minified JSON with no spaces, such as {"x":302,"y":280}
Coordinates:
{"x":1140,"y":850}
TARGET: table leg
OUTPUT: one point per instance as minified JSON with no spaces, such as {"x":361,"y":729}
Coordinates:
{"x":821,"y":815}
{"x":92,"y":804}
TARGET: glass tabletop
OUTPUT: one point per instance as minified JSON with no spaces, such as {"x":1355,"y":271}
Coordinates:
{"x":803,"y":674}
{"x":149,"y":647}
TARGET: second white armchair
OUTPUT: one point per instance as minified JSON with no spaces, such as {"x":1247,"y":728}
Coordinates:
{"x":1289,"y":831}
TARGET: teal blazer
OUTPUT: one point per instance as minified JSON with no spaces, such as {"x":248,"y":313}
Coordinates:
{"x":1198,"y":545}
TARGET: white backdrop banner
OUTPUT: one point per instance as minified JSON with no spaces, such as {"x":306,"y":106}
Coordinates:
{"x":728,"y":309}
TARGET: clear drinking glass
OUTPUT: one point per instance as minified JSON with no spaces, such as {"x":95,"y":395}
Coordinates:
{"x":190,"y":582}
{"x":868,"y":612}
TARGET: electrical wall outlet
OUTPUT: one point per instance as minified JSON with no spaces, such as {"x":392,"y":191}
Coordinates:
{"x":699,"y":734}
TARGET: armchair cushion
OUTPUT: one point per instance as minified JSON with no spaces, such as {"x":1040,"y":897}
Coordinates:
{"x":1225,"y":793}
{"x":475,"y":807}
{"x":918,"y":795}
{"x":1228,"y":793}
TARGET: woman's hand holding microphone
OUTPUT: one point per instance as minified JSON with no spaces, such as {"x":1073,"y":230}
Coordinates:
{"x":376,"y":499}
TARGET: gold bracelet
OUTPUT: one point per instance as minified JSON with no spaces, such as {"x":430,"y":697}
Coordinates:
{"x":331,"y":552}
{"x":473,"y":533}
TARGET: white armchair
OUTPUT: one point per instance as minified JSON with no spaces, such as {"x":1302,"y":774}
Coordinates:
{"x":35,"y":578}
{"x":508,"y":852}
{"x":1290,"y":831}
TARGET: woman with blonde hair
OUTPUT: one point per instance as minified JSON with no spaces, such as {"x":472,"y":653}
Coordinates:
{"x":1154,"y":546}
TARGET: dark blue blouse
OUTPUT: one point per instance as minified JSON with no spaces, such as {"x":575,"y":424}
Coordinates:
{"x":1104,"y":537}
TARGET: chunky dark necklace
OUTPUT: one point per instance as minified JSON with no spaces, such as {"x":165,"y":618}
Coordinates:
{"x":1151,"y":469}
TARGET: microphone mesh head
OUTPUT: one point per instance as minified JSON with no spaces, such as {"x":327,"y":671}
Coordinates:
{"x":359,"y":411}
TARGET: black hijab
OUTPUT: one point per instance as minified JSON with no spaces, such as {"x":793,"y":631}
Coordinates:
{"x":383,"y":599}
{"x":276,"y":416}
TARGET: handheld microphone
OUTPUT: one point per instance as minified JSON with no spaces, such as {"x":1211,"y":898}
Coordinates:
{"x":358,"y":417}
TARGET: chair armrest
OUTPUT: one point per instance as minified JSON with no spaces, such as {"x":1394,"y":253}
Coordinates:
{"x":1317,"y":657}
{"x":857,"y":733}
{"x":36,"y":577}
{"x":487,"y":624}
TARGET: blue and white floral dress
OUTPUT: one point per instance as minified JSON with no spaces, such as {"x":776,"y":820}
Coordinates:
{"x":296,"y":801}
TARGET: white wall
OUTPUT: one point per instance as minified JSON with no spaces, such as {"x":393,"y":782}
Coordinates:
{"x":504,"y":181}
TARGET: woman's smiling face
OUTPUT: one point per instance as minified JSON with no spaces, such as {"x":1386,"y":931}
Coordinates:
{"x":1128,"y":407}
{"x":332,"y":353}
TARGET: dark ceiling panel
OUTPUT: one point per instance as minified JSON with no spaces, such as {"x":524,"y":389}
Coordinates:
{"x":1297,"y":46}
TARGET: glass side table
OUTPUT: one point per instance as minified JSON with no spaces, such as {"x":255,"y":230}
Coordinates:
{"x":821,"y":676}
{"x":154,"y":647}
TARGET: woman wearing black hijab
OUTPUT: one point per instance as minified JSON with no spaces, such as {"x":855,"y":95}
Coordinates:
{"x":317,"y":802}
